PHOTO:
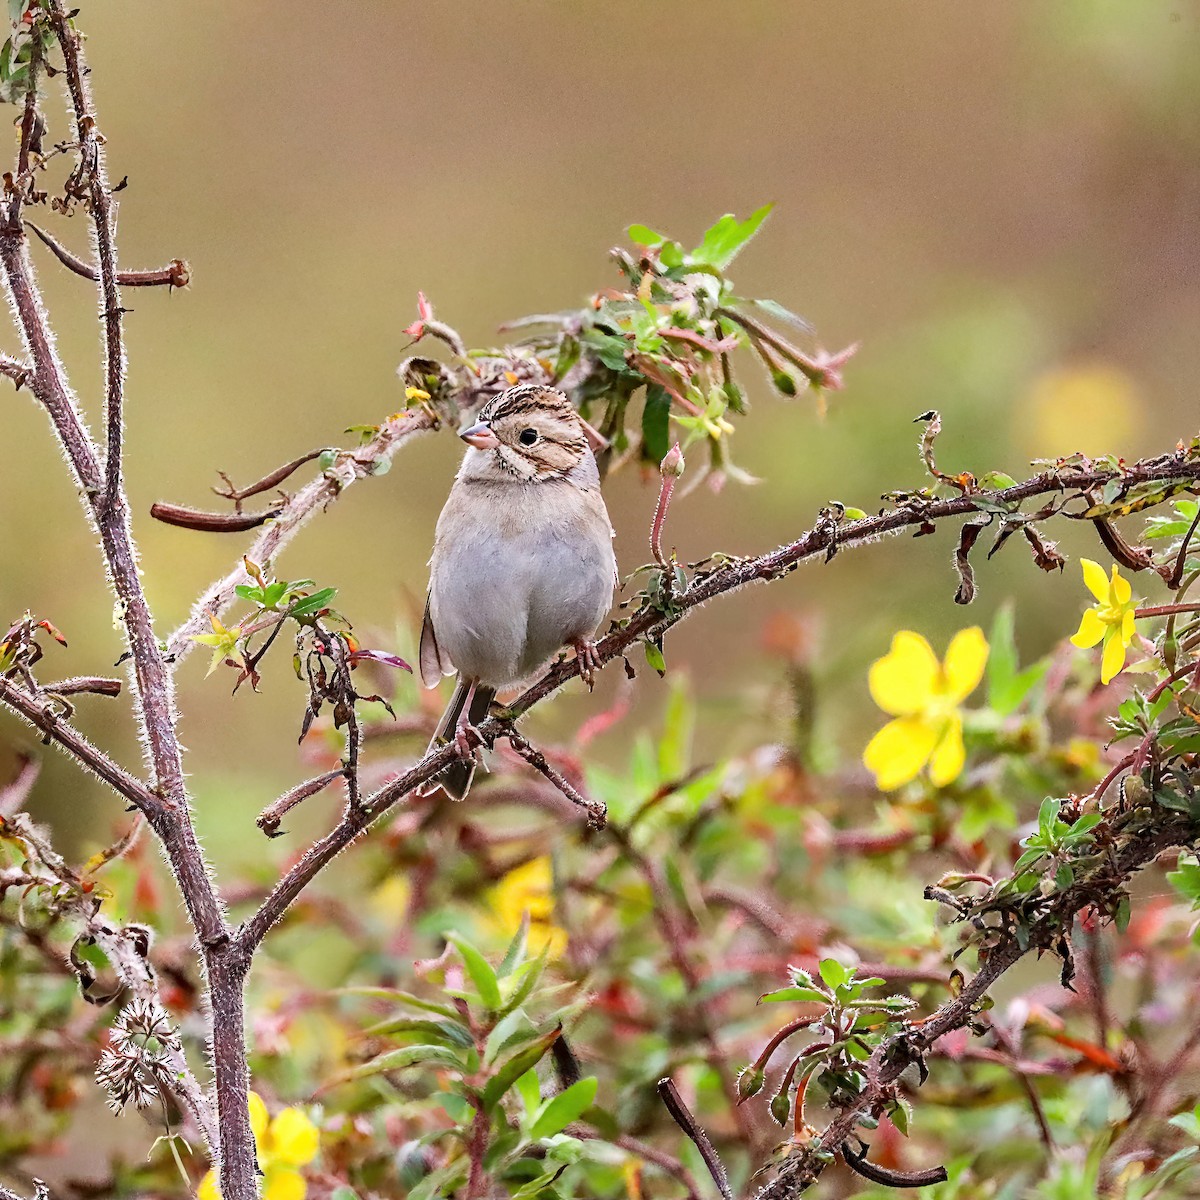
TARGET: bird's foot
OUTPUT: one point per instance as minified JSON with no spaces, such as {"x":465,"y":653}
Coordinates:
{"x":589,"y":661}
{"x":466,"y":738}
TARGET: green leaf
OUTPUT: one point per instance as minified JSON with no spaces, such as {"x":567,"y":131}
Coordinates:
{"x":530,"y":1090}
{"x":445,"y":1033}
{"x":408,"y":1056}
{"x":312,"y":604}
{"x":656,"y":436}
{"x":516,"y":1026}
{"x":797,"y":995}
{"x":519,"y":985}
{"x":1185,"y":879}
{"x":559,"y":1111}
{"x":723,"y":241}
{"x":480,"y":970}
{"x":643,"y":235}
{"x":405,"y":998}
{"x":654,"y":656}
{"x":514,"y":956}
{"x":457,"y":1108}
{"x":833,"y":973}
{"x":508,"y":1072}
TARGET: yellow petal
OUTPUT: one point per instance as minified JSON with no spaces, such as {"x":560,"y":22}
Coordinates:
{"x":1091,"y":630}
{"x":966,"y":657}
{"x":1128,"y":629}
{"x":259,"y":1120}
{"x":1121,"y":588}
{"x":1114,"y":657}
{"x":1095,"y":578}
{"x":543,"y":934}
{"x":208,"y":1189}
{"x":283,"y":1183}
{"x":293,"y":1139}
{"x":902,"y":681}
{"x":899,"y":750}
{"x":948,"y":759}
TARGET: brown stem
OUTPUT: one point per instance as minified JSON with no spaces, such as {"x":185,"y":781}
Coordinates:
{"x":269,"y":818}
{"x":78,"y":685}
{"x":207,"y":522}
{"x":648,"y":623}
{"x":682,"y":1116}
{"x":227,"y":967}
{"x":91,"y":151}
{"x":42,"y":717}
{"x":175,"y":274}
{"x":268,"y":481}
{"x":1165,"y":610}
{"x":20,"y":373}
{"x":351,"y":466}
{"x":597,"y":814}
{"x":893,"y":1056}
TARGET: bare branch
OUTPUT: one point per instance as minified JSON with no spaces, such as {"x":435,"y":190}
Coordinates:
{"x":269,"y":818}
{"x":208,"y":522}
{"x":176,"y":274}
{"x":20,"y":373}
{"x":78,"y":685}
{"x":650,"y":624}
{"x":43,"y":717}
{"x":350,"y":466}
{"x":895,"y":1054}
{"x":91,"y":152}
{"x":597,"y":814}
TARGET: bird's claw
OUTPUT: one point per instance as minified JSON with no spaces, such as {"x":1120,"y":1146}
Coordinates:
{"x":466,"y":738}
{"x":589,"y":662}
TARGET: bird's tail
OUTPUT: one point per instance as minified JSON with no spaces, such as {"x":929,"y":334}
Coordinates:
{"x":455,"y":780}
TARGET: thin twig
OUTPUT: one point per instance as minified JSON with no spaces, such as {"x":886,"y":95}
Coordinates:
{"x":269,"y":818}
{"x":209,"y":522}
{"x":270,"y":480}
{"x":77,"y":685}
{"x":45,"y":720}
{"x":91,"y":152}
{"x":20,"y":373}
{"x":597,"y":814}
{"x":176,"y":274}
{"x":350,"y":466}
{"x":682,"y":1116}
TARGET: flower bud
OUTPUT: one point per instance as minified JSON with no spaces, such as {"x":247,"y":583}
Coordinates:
{"x":750,"y":1083}
{"x":781,"y":1107}
{"x":673,"y":464}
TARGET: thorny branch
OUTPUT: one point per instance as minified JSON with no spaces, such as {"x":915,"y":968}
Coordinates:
{"x":901,"y":1051}
{"x":164,"y":802}
{"x":649,"y":624}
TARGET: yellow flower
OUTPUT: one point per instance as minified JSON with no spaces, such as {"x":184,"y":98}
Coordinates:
{"x":924,"y":696}
{"x":529,"y":888}
{"x":1110,"y":620}
{"x":288,"y":1141}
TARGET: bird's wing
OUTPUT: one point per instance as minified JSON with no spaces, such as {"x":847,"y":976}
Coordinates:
{"x":433,"y":661}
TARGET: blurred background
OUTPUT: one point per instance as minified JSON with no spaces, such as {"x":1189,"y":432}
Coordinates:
{"x":1002,"y":203}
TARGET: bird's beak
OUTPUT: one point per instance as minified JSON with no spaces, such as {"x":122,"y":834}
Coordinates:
{"x":480,"y":436}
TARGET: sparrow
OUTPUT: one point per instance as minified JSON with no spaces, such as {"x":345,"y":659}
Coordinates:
{"x":522,"y":563}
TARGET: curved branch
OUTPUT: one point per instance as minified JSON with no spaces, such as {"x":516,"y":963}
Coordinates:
{"x":650,"y":624}
{"x":893,"y":1056}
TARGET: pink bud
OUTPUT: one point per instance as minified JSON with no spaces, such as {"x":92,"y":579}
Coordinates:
{"x":673,"y":464}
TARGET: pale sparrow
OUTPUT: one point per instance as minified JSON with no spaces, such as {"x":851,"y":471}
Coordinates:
{"x":522,"y":561}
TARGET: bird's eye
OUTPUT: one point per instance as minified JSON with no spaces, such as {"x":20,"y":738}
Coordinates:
{"x":527,"y":437}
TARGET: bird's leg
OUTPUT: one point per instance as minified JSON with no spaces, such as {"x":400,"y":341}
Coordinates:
{"x":588,"y":659}
{"x":466,"y":736}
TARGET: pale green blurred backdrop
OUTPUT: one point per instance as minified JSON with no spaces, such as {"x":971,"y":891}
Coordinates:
{"x":1002,"y":202}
